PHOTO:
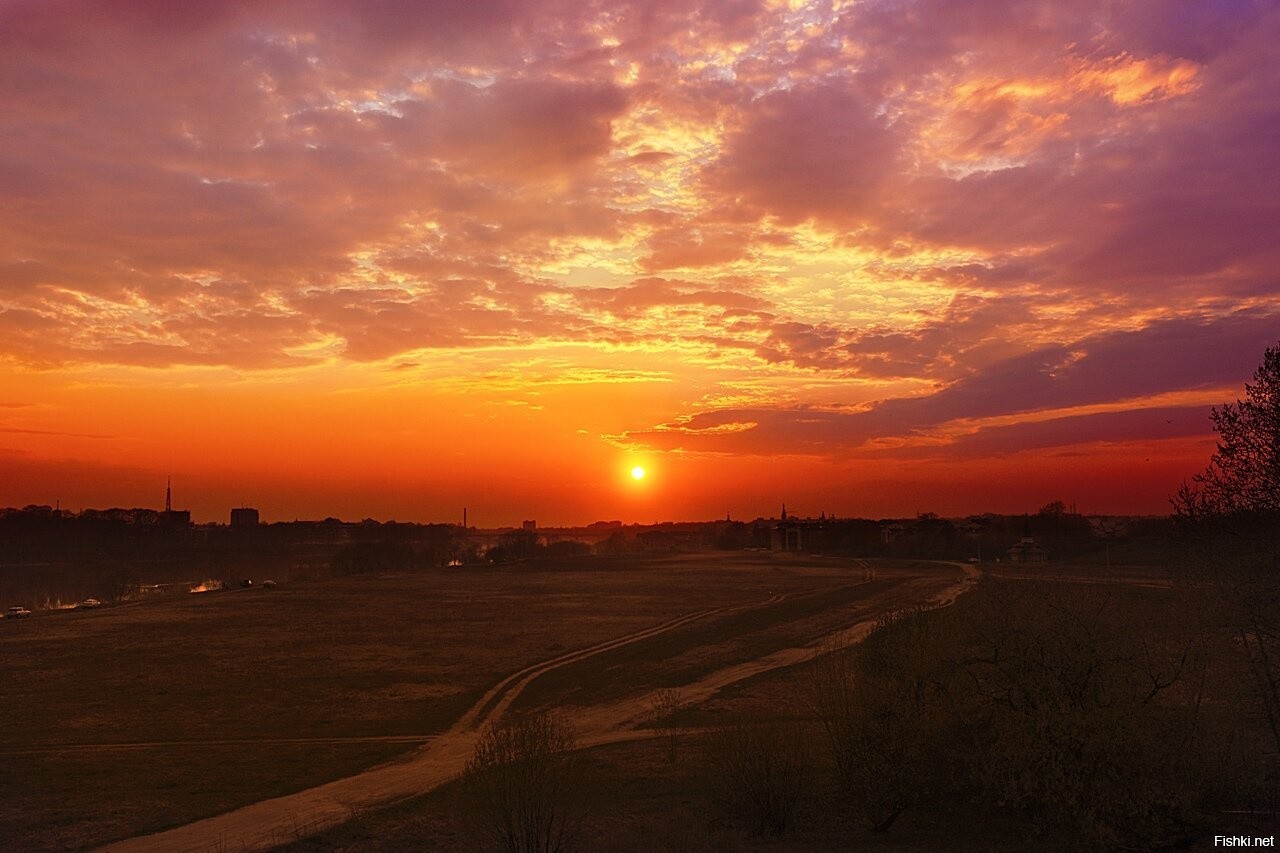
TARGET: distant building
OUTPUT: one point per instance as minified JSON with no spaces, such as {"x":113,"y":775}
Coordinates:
{"x":892,"y":531}
{"x":244,"y":517}
{"x":787,"y":534}
{"x":1027,"y":551}
{"x":528,"y":524}
{"x":173,"y":517}
{"x":176,"y":517}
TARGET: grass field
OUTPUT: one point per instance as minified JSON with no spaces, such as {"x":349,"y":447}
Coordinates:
{"x":135,"y":718}
{"x":641,"y":802}
{"x":640,"y":799}
{"x":141,"y":717}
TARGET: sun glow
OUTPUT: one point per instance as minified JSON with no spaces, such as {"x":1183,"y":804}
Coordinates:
{"x":637,"y":473}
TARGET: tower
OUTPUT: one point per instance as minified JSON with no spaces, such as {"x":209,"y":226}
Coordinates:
{"x":784,"y":512}
{"x":168,"y":495}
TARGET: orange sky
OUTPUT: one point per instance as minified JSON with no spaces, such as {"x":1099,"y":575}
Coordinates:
{"x":390,"y":260}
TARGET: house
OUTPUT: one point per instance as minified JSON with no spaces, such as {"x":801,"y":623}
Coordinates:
{"x":1027,"y":551}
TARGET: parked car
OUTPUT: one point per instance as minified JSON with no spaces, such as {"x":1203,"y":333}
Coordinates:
{"x":17,"y":613}
{"x":268,"y":584}
{"x":246,"y":583}
{"x":89,"y":604}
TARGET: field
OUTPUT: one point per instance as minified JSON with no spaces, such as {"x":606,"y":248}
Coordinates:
{"x":1130,"y":727}
{"x":641,"y":802}
{"x":339,"y":714}
{"x":132,"y":719}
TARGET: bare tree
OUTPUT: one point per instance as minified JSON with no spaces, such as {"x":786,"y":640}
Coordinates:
{"x":762,"y":770}
{"x":123,"y":584}
{"x":524,"y":784}
{"x":878,"y":711}
{"x":1083,"y":706}
{"x":1231,"y":511}
{"x":666,"y":706}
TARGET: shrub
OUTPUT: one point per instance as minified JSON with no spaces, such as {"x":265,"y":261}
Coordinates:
{"x":523,"y":784}
{"x":665,"y":707}
{"x":882,"y":712}
{"x":761,"y":770}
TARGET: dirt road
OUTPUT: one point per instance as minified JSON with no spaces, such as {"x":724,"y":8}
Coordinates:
{"x":269,"y":823}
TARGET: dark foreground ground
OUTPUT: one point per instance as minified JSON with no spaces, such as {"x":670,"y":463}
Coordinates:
{"x":135,"y":718}
{"x":658,"y":794}
{"x":138,"y":718}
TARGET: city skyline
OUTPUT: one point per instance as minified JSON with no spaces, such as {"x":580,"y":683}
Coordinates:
{"x":228,"y":516}
{"x":395,"y":259}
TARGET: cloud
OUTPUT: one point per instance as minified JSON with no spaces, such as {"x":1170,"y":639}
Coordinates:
{"x":514,"y":129}
{"x":19,"y":431}
{"x":815,"y":150}
{"x":951,"y":213}
{"x":1171,"y":355}
{"x":1147,"y":426}
{"x":1119,"y":368}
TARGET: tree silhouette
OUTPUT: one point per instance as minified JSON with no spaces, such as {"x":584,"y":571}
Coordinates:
{"x":1053,"y":508}
{"x":525,"y":785}
{"x":1244,"y":473}
{"x":1231,"y":515}
{"x":665,"y":707}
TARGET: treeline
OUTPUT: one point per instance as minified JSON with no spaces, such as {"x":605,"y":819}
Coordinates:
{"x":393,"y":547}
{"x":40,"y":534}
{"x":1064,"y":535}
{"x":50,"y":558}
{"x":527,"y":544}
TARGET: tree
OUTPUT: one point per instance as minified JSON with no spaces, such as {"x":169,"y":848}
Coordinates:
{"x":665,"y":706}
{"x":1075,"y":709}
{"x":761,"y":769}
{"x":524,"y":784}
{"x":1244,"y":473}
{"x":124,"y":584}
{"x":881,"y":715}
{"x":1053,"y":508}
{"x":1230,"y":515}
{"x":615,"y":544}
{"x":515,"y":545}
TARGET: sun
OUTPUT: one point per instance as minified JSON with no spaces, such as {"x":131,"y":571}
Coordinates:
{"x":637,"y":472}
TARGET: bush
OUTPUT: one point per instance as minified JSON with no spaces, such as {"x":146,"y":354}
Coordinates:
{"x":1077,"y":707}
{"x":881,"y":710}
{"x":665,"y":707}
{"x":1084,"y":716}
{"x":524,"y":785}
{"x":762,"y":771}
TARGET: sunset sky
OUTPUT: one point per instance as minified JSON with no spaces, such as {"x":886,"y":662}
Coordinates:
{"x":390,"y":259}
